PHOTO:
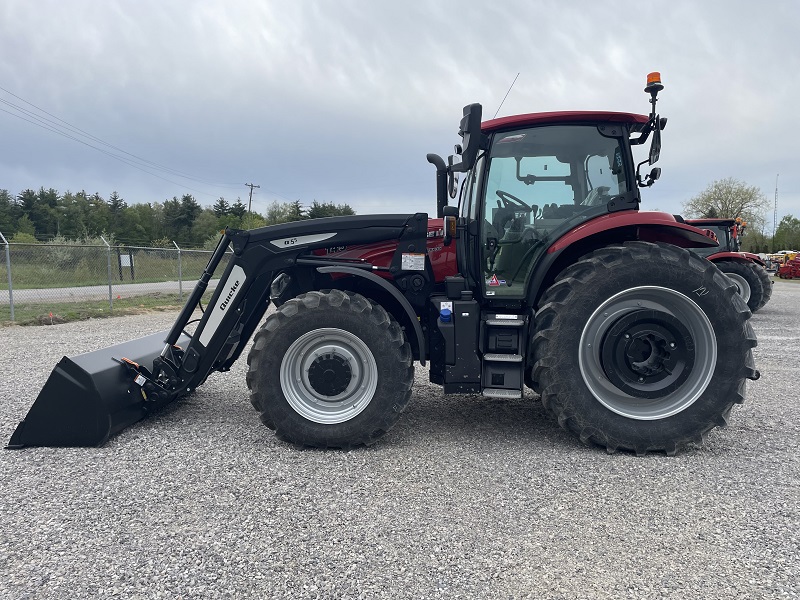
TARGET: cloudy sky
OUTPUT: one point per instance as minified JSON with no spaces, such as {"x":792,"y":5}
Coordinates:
{"x":339,"y":101}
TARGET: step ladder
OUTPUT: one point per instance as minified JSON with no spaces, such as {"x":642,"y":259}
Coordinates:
{"x":503,"y":339}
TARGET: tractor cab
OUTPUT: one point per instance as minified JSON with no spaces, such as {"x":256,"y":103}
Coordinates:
{"x":532,"y":179}
{"x":541,"y":176}
{"x":729,"y":233}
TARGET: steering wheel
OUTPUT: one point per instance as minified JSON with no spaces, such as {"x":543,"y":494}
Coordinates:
{"x":510,"y":200}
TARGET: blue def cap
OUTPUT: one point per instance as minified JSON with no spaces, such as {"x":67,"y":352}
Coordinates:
{"x":445,"y":315}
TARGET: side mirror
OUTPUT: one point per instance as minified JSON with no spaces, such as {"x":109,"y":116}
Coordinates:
{"x":655,"y":145}
{"x":472,"y":140}
{"x":649,"y":179}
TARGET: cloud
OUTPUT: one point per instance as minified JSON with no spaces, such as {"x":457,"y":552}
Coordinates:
{"x":341,"y":101}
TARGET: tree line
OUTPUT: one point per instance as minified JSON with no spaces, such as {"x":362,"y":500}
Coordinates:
{"x":46,"y":214}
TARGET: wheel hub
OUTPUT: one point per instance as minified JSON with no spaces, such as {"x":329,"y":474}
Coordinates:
{"x":330,"y":374}
{"x":647,"y":353}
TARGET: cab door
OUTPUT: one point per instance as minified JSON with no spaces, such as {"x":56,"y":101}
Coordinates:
{"x":467,"y":249}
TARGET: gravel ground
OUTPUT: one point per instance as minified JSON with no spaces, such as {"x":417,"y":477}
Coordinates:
{"x":466,"y":497}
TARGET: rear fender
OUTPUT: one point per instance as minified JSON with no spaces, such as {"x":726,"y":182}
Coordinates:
{"x":613,"y":228}
{"x":650,"y":227}
{"x":741,"y":257}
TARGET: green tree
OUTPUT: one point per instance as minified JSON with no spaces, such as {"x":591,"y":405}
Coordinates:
{"x":787,"y":235}
{"x":25,"y":226}
{"x":190,"y":210}
{"x":7,"y":218}
{"x":328,"y":209}
{"x":172,"y":218}
{"x":221,"y":208}
{"x":296,"y":211}
{"x":729,"y":198}
{"x":277,"y":212}
{"x":98,"y":216}
{"x":131,"y":231}
{"x":239,"y":208}
{"x":149,"y":217}
{"x":116,"y":204}
{"x":205,"y":226}
{"x":253,"y":221}
{"x":23,"y":238}
{"x":40,"y":209}
{"x":116,"y":211}
{"x":47,"y":208}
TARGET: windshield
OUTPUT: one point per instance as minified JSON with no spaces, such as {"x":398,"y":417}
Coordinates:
{"x":726,"y":241}
{"x":542,"y":182}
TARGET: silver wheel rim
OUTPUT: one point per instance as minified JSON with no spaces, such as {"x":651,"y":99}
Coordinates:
{"x":702,"y":342}
{"x":742,"y":285}
{"x":333,"y":344}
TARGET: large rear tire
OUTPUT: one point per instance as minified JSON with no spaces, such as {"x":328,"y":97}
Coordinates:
{"x":746,"y":281}
{"x":642,"y":347}
{"x":330,"y":370}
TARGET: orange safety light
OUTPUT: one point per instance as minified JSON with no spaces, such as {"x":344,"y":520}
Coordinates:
{"x":654,"y":82}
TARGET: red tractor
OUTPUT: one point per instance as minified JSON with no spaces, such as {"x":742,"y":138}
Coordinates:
{"x":546,"y":274}
{"x":747,"y":270}
{"x":790,"y":269}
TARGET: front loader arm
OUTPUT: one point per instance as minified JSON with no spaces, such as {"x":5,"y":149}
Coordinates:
{"x":90,"y":397}
{"x":242,"y":295}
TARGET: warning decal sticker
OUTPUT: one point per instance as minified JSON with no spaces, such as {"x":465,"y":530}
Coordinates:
{"x":495,"y":282}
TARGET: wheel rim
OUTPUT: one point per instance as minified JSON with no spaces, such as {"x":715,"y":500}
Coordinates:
{"x":329,"y":376}
{"x":663,"y":365}
{"x":741,"y":284}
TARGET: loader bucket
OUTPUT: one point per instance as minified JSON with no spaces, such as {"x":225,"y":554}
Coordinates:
{"x":88,"y":397}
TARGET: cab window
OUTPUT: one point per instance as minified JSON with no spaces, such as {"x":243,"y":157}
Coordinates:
{"x":541,"y":182}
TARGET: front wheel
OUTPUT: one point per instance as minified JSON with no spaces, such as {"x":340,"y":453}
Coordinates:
{"x":642,"y":347}
{"x":330,"y":369}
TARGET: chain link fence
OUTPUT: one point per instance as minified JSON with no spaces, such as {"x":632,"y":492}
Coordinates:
{"x":45,"y":274}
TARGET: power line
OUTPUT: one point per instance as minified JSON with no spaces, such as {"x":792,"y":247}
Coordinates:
{"x":67,"y":130}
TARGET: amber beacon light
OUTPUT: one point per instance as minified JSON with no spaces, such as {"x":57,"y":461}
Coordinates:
{"x":654,"y":82}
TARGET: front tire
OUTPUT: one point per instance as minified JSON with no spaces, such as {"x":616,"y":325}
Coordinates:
{"x":330,"y":370}
{"x":642,"y":347}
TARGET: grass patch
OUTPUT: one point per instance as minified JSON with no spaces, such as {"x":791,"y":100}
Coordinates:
{"x":63,"y":312}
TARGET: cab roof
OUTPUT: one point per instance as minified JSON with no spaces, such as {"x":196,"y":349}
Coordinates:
{"x":549,"y":118}
{"x":710,"y":221}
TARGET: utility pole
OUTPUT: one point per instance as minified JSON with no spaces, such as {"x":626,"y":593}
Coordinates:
{"x":775,"y":214}
{"x":250,"y":204}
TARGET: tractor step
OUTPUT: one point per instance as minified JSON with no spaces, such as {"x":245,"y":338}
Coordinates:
{"x":498,"y":393}
{"x":505,"y":322}
{"x":514,"y":358}
{"x":503,"y":358}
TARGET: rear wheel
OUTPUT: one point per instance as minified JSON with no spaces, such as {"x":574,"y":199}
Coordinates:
{"x":766,"y":283}
{"x":642,"y":347}
{"x":746,"y":281}
{"x":330,"y":369}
